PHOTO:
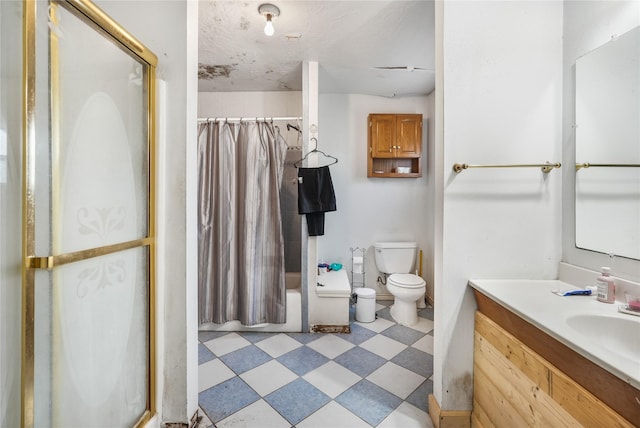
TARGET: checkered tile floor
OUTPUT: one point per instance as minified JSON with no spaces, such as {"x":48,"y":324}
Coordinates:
{"x":377,"y":376}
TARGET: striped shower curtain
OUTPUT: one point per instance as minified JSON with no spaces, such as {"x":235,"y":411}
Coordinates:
{"x":241,"y":249}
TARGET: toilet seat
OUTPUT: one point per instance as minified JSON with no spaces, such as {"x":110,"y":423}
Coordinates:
{"x":406,"y":280}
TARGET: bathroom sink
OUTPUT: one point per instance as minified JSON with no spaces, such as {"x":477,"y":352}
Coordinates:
{"x":618,"y":335}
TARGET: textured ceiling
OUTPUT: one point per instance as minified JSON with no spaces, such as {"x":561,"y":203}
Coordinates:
{"x":348,"y":38}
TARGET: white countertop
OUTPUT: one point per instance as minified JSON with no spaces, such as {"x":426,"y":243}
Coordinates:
{"x":534,"y":301}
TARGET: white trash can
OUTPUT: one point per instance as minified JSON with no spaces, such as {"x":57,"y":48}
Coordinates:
{"x":365,"y":304}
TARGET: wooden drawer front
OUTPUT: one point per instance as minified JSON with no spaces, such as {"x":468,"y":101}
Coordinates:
{"x":514,"y":386}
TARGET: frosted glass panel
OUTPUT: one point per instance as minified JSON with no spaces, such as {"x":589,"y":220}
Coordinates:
{"x":89,"y":176}
{"x":99,"y":341}
{"x":10,"y":211}
{"x":100,"y":178}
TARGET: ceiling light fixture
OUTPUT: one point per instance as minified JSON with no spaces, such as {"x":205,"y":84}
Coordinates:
{"x":269,"y":11}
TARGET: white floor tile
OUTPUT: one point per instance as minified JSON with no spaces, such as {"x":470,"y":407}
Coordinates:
{"x":383,"y":346}
{"x":335,"y":416}
{"x":425,"y":344}
{"x":395,"y":379}
{"x":268,"y":377}
{"x":330,"y":345}
{"x":204,"y":421}
{"x":227,"y":343}
{"x":407,"y":416}
{"x":257,"y":415}
{"x":424,"y":325}
{"x":212,"y":373}
{"x":278,"y":345}
{"x":332,"y":379}
{"x":378,"y":325}
{"x":379,"y":306}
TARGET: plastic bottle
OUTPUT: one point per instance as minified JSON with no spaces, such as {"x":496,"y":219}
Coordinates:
{"x":606,"y":286}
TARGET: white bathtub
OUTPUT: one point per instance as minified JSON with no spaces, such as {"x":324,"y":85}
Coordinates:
{"x":294,"y":312}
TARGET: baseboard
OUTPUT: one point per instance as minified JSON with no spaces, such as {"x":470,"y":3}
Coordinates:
{"x":384,"y":296}
{"x":430,"y":300}
{"x":321,"y":328}
{"x":448,"y":418}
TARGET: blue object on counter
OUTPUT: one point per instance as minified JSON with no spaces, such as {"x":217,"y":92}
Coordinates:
{"x":585,"y":292}
{"x":335,"y":266}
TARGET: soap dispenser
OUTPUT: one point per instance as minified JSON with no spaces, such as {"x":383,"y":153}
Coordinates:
{"x":606,"y":286}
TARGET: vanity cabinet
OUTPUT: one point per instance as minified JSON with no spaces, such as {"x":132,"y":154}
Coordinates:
{"x":523,"y":377}
{"x":394,"y":145}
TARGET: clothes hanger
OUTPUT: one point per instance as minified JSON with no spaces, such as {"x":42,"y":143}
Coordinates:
{"x":315,"y":150}
{"x":290,"y":127}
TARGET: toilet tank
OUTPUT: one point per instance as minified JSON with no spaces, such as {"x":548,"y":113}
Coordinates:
{"x":395,"y":257}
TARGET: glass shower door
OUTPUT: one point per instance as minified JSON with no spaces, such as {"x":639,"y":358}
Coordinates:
{"x":10,"y":211}
{"x":89,"y":220}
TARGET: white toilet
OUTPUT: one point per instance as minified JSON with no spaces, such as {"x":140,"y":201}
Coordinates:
{"x":396,"y":260}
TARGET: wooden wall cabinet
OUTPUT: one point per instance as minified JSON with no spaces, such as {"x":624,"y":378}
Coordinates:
{"x":394,"y":145}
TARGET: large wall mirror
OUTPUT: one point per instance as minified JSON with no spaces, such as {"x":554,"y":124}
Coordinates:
{"x":607,"y":117}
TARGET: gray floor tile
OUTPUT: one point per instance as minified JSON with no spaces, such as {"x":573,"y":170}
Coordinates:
{"x":419,"y":397}
{"x":297,"y":400}
{"x":416,"y":361}
{"x":305,"y":338}
{"x":302,"y":360}
{"x":385,"y":313}
{"x":358,"y":334}
{"x":256,"y":336}
{"x":204,"y":354}
{"x":402,"y":334}
{"x":360,"y":361}
{"x":226,"y":399}
{"x":205,"y":336}
{"x":426,"y":313}
{"x":369,"y":401}
{"x":245,"y":358}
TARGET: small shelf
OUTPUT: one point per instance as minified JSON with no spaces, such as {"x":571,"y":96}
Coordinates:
{"x":389,"y":167}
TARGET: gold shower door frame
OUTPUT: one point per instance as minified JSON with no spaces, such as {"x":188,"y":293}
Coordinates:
{"x":97,"y":20}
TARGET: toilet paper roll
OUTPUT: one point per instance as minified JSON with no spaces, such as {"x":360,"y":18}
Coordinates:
{"x":358,"y":264}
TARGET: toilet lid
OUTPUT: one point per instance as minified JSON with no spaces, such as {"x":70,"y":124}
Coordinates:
{"x":406,"y":280}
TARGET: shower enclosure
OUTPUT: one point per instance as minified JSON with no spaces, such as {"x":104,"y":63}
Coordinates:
{"x":77,"y":222}
{"x":291,"y":238}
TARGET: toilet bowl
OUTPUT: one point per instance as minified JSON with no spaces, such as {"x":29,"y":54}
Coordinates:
{"x":406,"y":289}
{"x":396,"y":260}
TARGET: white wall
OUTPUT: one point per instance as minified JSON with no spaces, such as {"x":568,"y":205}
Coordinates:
{"x":177,"y":54}
{"x":588,"y":25}
{"x":500,"y":80}
{"x":250,"y":104}
{"x":254,"y":104}
{"x":371,"y":209}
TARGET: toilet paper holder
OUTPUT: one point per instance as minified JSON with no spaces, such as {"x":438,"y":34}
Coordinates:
{"x":357,"y":266}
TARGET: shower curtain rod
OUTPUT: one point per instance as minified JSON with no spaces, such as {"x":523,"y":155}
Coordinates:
{"x":240,"y":119}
